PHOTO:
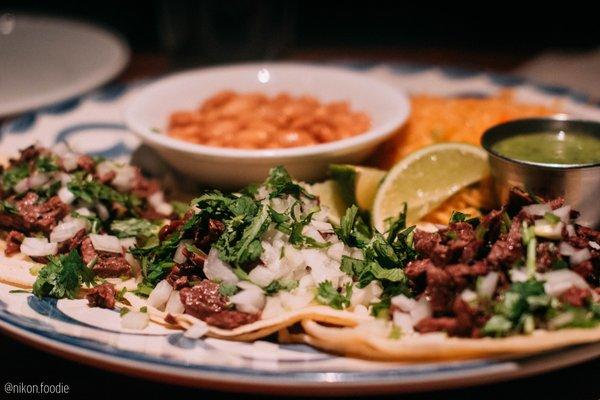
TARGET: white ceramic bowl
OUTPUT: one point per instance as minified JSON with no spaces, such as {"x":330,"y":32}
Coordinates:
{"x":148,"y":113}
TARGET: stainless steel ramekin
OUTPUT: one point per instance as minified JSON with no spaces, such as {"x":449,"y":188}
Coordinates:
{"x":579,"y":184}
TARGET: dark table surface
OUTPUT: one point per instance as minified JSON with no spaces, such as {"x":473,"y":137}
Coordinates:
{"x":20,"y":363}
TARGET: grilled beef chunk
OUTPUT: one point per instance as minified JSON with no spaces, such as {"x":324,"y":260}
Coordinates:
{"x":86,"y":162}
{"x":230,"y":319}
{"x":71,"y":244}
{"x":439,"y":290}
{"x":576,"y":297}
{"x":105,"y":264}
{"x":34,"y":216}
{"x":204,"y":301}
{"x":13,"y":242}
{"x":42,"y":216}
{"x":547,"y":256}
{"x":457,"y":242}
{"x":102,"y":296}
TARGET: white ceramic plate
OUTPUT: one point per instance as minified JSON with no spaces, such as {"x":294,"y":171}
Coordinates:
{"x":44,"y":60}
{"x":94,"y":124}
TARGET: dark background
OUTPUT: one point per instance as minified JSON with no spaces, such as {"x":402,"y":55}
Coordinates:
{"x":495,"y":35}
{"x":167,"y":35}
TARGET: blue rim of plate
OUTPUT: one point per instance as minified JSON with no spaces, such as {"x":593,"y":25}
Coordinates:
{"x":447,"y":372}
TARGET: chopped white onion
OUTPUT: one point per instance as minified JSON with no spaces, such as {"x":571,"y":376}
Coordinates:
{"x":84,"y":212}
{"x":157,"y":201}
{"x":403,"y":321}
{"x":217,"y":270}
{"x":63,"y":178}
{"x":594,"y":245}
{"x":560,"y":280}
{"x":580,"y":256}
{"x":65,"y":195}
{"x":563,"y":213}
{"x":518,"y":275}
{"x":135,"y":320}
{"x":545,"y":229}
{"x":561,"y":320}
{"x":128,"y":243}
{"x":403,"y":303}
{"x":571,"y":230}
{"x":105,"y":167}
{"x":136,"y":268}
{"x":486,"y":285}
{"x":179,"y":257}
{"x":70,"y":161}
{"x":566,"y":249}
{"x":261,"y":275}
{"x":102,"y":211}
{"x":174,"y":304}
{"x":38,"y":247}
{"x":196,"y":331}
{"x":468,"y":296}
{"x":160,"y":294}
{"x":37,"y":180}
{"x":537,"y":209}
{"x":108,"y":243}
{"x":67,"y":229}
{"x":421,"y":310}
{"x":361,"y":310}
{"x":296,"y":300}
{"x":249,"y":301}
{"x":124,"y":178}
{"x":22,"y":186}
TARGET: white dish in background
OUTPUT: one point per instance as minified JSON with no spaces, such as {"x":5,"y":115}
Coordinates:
{"x":149,"y":111}
{"x":44,"y":60}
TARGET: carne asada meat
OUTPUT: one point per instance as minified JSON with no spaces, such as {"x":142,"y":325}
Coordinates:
{"x":102,"y":296}
{"x":105,"y":264}
{"x":204,"y":301}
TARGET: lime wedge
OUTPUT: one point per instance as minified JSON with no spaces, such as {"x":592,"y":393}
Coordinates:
{"x":358,"y":185}
{"x":425,"y":178}
{"x":330,"y":196}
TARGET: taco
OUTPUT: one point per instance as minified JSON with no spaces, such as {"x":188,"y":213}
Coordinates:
{"x":521,"y":279}
{"x":240,"y":265}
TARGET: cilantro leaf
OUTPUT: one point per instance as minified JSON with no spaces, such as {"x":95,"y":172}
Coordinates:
{"x":227,"y":289}
{"x":280,"y":182}
{"x":277,"y":286}
{"x":353,"y":231}
{"x":134,"y":227}
{"x":328,"y":295}
{"x":91,"y":191}
{"x":63,"y":276}
{"x":46,"y":164}
{"x":13,"y":175}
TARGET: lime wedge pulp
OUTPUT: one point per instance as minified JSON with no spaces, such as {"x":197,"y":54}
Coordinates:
{"x":425,"y":178}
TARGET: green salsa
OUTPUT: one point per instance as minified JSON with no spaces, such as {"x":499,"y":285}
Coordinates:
{"x":551,"y":148}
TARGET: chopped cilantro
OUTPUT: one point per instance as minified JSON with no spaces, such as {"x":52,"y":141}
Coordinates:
{"x":328,"y":295}
{"x":91,"y":191}
{"x":144,"y":309}
{"x":123,"y":311}
{"x":46,"y":164}
{"x":280,"y":182}
{"x":63,"y":276}
{"x":277,"y":286}
{"x":227,"y":289}
{"x":13,"y":175}
{"x":8,"y":208}
{"x":135,"y":227}
{"x":552,"y":218}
